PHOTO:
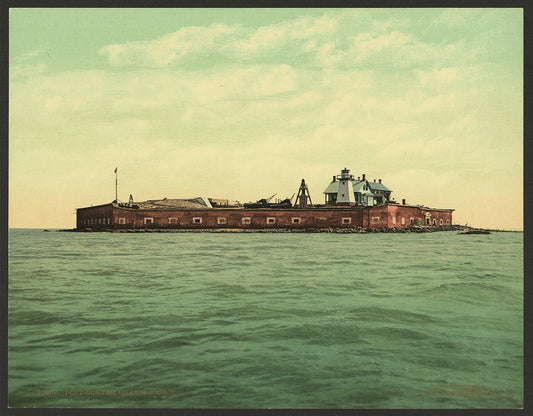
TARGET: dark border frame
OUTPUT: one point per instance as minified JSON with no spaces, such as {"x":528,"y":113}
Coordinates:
{"x":4,"y":180}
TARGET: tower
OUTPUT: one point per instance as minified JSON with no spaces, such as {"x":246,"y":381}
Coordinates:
{"x":303,"y":195}
{"x":345,"y":194}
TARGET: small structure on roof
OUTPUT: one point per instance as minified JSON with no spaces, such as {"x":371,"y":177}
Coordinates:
{"x":345,"y":189}
{"x":303,"y":198}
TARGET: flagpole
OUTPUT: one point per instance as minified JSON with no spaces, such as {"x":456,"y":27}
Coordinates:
{"x":116,"y":185}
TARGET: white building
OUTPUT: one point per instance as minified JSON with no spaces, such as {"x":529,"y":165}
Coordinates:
{"x":345,"y":189}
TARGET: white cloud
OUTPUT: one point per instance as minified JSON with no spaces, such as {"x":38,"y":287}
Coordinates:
{"x":29,"y":55}
{"x":171,"y":48}
{"x":306,"y":31}
{"x":321,"y":40}
{"x":346,"y":40}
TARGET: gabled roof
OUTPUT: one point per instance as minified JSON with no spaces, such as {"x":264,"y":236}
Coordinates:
{"x":376,"y":186}
{"x":358,"y":187}
{"x":332,"y":188}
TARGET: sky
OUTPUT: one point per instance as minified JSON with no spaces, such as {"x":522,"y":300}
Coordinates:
{"x":244,"y":103}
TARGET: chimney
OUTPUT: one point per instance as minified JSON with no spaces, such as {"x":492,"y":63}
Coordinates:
{"x":403,"y":201}
{"x":364,"y":176}
{"x":374,"y":180}
{"x":358,"y":178}
{"x":379,"y":180}
{"x":334,"y":178}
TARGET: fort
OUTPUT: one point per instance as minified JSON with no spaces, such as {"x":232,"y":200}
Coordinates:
{"x":349,"y":203}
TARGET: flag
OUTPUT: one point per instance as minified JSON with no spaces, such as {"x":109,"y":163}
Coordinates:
{"x":115,"y":170}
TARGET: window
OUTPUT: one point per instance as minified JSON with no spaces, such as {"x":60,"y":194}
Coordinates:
{"x":403,"y":220}
{"x":271,"y":220}
{"x":108,"y":221}
{"x":393,"y":220}
{"x":346,"y":220}
{"x":148,"y":220}
{"x":411,"y":220}
{"x":222,"y":220}
{"x":197,"y":220}
{"x":246,"y":220}
{"x":447,"y":222}
{"x":296,"y":220}
{"x":122,"y":220}
{"x":172,"y":220}
{"x":434,"y":222}
{"x":99,"y":221}
{"x":427,"y":220}
{"x":375,"y":220}
{"x":441,"y":222}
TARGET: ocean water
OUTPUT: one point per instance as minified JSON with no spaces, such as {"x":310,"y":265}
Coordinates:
{"x":211,"y":320}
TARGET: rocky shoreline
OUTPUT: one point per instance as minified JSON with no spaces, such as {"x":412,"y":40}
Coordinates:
{"x":464,"y":229}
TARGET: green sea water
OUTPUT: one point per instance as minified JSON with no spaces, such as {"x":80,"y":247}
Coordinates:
{"x":210,"y":320}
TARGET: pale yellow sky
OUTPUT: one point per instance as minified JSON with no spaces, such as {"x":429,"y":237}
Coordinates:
{"x":242,"y":104}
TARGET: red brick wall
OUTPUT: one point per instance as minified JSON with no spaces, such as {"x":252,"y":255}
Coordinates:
{"x":390,"y":216}
{"x":99,"y":217}
{"x":376,"y":217}
{"x":437,"y":216}
{"x":313,"y":218}
{"x":107,"y":216}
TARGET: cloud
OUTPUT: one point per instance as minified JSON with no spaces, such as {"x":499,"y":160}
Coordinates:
{"x":172,"y":48}
{"x":303,"y":41}
{"x":30,"y":55}
{"x":345,"y":40}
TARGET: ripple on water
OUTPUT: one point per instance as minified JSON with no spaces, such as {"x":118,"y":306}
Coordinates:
{"x":265,"y":320}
